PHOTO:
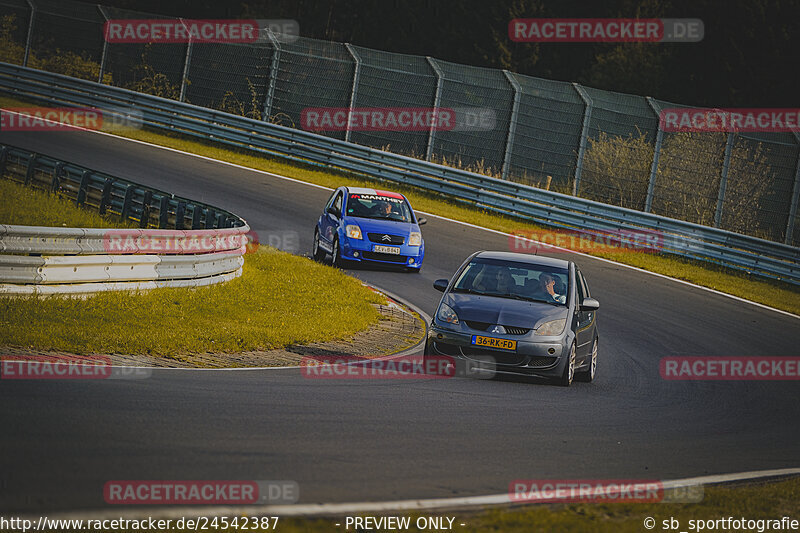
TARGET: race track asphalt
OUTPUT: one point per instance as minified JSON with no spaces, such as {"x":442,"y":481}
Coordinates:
{"x":368,"y":440}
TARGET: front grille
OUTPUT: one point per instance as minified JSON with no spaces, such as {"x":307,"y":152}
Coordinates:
{"x":447,"y":349}
{"x":511,"y":330}
{"x":502,"y":358}
{"x":480,"y":326}
{"x":379,"y":238}
{"x":392,"y":258}
{"x":542,"y":361}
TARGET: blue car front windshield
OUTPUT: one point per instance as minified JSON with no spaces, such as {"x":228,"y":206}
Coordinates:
{"x":378,"y":206}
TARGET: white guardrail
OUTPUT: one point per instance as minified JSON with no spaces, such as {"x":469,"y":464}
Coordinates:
{"x":45,"y":260}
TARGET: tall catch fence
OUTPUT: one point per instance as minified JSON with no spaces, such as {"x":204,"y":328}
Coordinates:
{"x":596,"y":144}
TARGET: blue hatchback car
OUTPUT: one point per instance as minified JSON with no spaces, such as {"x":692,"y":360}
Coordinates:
{"x":369,"y":226}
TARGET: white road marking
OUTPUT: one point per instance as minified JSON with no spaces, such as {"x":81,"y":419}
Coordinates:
{"x":421,"y":505}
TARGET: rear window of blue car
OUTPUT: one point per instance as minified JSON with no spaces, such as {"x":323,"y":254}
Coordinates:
{"x":378,"y":206}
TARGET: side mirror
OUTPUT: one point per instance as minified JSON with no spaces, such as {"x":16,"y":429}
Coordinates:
{"x":332,"y":210}
{"x":440,"y":285}
{"x":590,"y":304}
{"x":421,"y":221}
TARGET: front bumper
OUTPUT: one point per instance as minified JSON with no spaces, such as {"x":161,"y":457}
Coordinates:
{"x":540,"y":358}
{"x":362,"y":250}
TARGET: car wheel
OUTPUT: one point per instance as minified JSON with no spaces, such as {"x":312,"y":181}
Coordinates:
{"x":316,"y":252}
{"x":588,"y":374}
{"x":336,"y":257}
{"x":569,"y":369}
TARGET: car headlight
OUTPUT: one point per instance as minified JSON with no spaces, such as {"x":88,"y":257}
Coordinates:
{"x":415,"y":238}
{"x":554,"y":327}
{"x":353,"y":231}
{"x":446,"y":314}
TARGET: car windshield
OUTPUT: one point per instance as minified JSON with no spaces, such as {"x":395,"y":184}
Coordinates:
{"x":378,"y":206}
{"x":510,"y":279}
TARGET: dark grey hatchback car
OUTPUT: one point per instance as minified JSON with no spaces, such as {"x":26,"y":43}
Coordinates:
{"x":511,"y":313}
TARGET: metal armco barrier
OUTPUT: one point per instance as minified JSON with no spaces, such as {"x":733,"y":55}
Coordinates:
{"x":753,"y":255}
{"x":52,"y":260}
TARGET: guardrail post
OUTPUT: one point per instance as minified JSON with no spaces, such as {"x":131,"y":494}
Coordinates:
{"x":651,"y":185}
{"x":144,"y":220}
{"x":126,"y":202}
{"x":186,"y":64}
{"x":163,"y":212}
{"x":436,"y":100}
{"x":512,"y":125}
{"x":102,"y":11}
{"x":180,"y":214}
{"x":30,"y":35}
{"x":57,"y":173}
{"x":210,"y":216}
{"x":587,"y":117}
{"x":30,"y":169}
{"x":356,"y":74}
{"x":273,"y":74}
{"x":795,"y":198}
{"x":3,"y":159}
{"x":105,"y":197}
{"x":723,"y":181}
{"x":81,"y":198}
{"x":196,"y":212}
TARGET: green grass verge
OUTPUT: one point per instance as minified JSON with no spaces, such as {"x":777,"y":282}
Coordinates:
{"x":757,"y":501}
{"x":776,"y":294}
{"x":26,"y":206}
{"x":280,"y":299}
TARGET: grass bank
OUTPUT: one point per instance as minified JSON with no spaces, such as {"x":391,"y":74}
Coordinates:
{"x":280,"y":299}
{"x":776,"y":294}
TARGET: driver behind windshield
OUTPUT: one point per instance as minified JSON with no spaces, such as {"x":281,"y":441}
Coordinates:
{"x":547,"y":288}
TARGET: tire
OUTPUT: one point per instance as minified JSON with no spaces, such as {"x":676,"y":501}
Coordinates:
{"x":569,"y":369}
{"x":588,"y":375}
{"x":317,"y":253}
{"x":336,"y":257}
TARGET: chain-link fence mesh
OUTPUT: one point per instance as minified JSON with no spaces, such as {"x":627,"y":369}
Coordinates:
{"x":152,"y":68}
{"x":388,"y":80}
{"x":231,"y":77}
{"x":312,"y":74}
{"x":619,"y":151}
{"x":547,"y":133}
{"x":467,"y":89}
{"x":598,"y":144}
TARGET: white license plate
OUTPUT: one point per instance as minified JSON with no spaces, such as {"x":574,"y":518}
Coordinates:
{"x":386,"y":249}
